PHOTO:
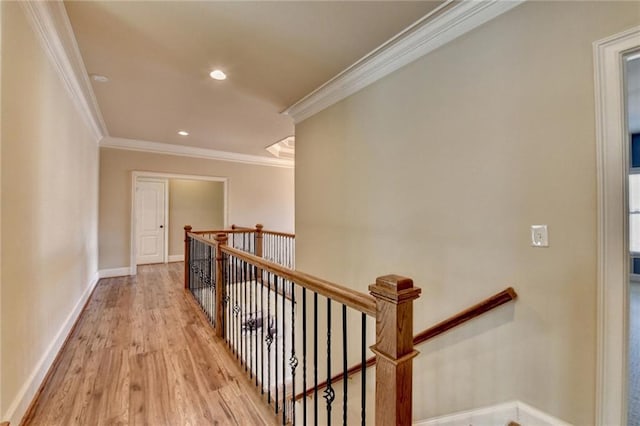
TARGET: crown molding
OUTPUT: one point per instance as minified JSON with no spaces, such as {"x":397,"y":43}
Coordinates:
{"x":442,"y":25}
{"x":51,"y":23}
{"x":190,"y":151}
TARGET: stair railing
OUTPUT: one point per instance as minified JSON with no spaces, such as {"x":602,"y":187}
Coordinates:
{"x":256,"y":306}
{"x":488,"y":304}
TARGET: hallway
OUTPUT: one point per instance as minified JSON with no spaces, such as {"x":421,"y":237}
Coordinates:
{"x":142,"y":354}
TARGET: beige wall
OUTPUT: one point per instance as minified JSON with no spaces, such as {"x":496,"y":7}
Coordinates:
{"x":49,"y":169}
{"x":197,"y":203}
{"x":437,"y":172}
{"x":257,"y":194}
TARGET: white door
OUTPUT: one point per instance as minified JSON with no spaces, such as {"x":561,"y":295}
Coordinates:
{"x":150,"y":221}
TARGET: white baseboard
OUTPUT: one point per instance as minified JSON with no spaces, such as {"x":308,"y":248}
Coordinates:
{"x":497,"y":415}
{"x":115,"y":272}
{"x":176,"y":258}
{"x":19,"y":406}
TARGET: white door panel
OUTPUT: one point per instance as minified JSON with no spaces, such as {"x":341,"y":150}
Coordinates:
{"x":150,"y":221}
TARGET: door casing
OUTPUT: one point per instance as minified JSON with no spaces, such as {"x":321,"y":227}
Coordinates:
{"x":142,"y":174}
{"x":613,"y":242}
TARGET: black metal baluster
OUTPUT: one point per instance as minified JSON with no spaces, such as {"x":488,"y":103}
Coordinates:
{"x":265,"y":323}
{"x":212,"y":289}
{"x":344,"y":364}
{"x":329,"y":393}
{"x":363,"y":370}
{"x":277,"y":337}
{"x":243,"y":317}
{"x":231,"y":305}
{"x":236,"y":311}
{"x":284,"y":356}
{"x":249,"y":326}
{"x":254,"y":281}
{"x":315,"y":358}
{"x":304,"y":356}
{"x":269,"y":338}
{"x":284,"y":341}
{"x":293,"y":361}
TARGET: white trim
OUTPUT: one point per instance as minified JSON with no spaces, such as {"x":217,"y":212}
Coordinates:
{"x":176,"y":258}
{"x":19,"y":406}
{"x":499,"y":414}
{"x":190,"y":151}
{"x":444,"y":24}
{"x":115,"y":272}
{"x":159,"y":175}
{"x":51,"y":23}
{"x":613,"y":258}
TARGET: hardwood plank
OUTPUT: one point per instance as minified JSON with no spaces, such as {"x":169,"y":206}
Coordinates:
{"x":142,"y":353}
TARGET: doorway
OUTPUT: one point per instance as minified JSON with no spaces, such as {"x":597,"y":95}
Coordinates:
{"x":151,"y":216}
{"x":632,"y":96}
{"x":614,"y":262}
{"x":162,"y":204}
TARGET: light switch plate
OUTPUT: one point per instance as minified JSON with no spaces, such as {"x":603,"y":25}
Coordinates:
{"x":539,"y":236}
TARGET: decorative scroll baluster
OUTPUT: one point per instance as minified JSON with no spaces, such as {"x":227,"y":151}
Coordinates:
{"x":269,"y":338}
{"x":304,"y":354}
{"x":293,"y":361}
{"x":255,"y":319}
{"x":277,"y":337}
{"x":329,"y":394}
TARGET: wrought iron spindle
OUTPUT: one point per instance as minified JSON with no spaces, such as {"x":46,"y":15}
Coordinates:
{"x":363,"y":370}
{"x":236,"y":308}
{"x":293,"y":361}
{"x":277,"y":337}
{"x":255,"y":319}
{"x":247,"y":322}
{"x":269,"y":338}
{"x":243,"y":304}
{"x":329,"y":394}
{"x":344,"y":364}
{"x":265,"y":323}
{"x":304,"y":355}
{"x":284,"y":341}
{"x":315,"y":358}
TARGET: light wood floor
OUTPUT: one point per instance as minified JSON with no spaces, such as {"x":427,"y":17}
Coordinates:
{"x":142,"y":354}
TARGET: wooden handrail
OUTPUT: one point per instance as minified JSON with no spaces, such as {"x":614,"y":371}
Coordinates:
{"x":354,"y":299}
{"x":241,"y":228}
{"x":476,"y":310}
{"x":224,"y":231}
{"x":360,"y":301}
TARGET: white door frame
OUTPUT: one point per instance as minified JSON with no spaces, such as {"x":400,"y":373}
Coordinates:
{"x":166,"y":176}
{"x":613,"y":252}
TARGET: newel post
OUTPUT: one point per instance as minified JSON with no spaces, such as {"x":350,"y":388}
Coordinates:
{"x":394,"y":348}
{"x":187,"y":255}
{"x":258,"y":242}
{"x":221,"y":240}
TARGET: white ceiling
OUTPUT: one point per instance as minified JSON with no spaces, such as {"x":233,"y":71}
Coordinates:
{"x":157,"y":56}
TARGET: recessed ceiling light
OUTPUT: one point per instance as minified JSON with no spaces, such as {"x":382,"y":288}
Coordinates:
{"x":217,"y":75}
{"x":183,"y":133}
{"x":99,"y":78}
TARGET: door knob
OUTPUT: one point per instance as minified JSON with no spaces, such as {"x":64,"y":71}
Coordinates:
{"x":161,"y":226}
